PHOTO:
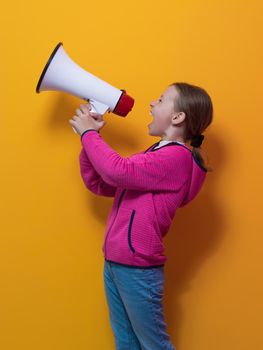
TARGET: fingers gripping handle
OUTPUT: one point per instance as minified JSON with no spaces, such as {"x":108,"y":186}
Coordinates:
{"x":96,"y":107}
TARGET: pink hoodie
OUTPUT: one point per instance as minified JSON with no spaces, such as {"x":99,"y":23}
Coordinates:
{"x":147,"y":188}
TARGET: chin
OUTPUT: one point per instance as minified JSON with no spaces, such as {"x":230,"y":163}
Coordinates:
{"x":152,"y":133}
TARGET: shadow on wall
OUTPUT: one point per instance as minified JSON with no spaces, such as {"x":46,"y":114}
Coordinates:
{"x":195,"y":235}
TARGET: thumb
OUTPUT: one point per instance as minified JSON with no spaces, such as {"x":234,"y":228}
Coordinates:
{"x":96,"y":116}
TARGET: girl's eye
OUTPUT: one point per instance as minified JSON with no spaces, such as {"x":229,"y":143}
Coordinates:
{"x":160,"y":100}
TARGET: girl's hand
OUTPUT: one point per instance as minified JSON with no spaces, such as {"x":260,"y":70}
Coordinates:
{"x":86,"y":120}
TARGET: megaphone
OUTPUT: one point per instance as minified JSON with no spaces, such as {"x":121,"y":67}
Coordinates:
{"x":61,"y":73}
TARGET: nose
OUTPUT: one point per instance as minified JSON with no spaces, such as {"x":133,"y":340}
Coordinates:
{"x":151,"y":104}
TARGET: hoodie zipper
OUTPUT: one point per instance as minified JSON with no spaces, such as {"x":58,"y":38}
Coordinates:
{"x":118,"y":205}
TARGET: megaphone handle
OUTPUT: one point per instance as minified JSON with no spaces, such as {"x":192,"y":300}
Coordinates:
{"x":92,"y":105}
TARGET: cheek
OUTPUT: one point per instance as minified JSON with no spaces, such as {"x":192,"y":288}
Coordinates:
{"x":163,"y":117}
{"x":163,"y":110}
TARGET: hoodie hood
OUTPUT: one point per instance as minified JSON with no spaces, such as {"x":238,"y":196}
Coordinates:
{"x":198,"y":172}
{"x":196,"y":181}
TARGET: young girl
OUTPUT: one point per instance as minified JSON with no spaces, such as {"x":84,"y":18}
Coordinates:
{"x":147,"y":188}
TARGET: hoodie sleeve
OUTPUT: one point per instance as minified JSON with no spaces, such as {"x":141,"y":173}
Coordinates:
{"x":92,"y":179}
{"x":166,"y":169}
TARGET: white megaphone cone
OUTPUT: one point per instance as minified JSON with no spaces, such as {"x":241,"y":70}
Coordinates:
{"x":62,"y":74}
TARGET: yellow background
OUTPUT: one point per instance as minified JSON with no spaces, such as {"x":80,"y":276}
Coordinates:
{"x":52,"y":227}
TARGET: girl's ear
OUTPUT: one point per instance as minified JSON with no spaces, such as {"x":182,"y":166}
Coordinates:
{"x":179,"y":115}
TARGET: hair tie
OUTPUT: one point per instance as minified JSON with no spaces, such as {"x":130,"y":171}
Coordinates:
{"x":197,"y":140}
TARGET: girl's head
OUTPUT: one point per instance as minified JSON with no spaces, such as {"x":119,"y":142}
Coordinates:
{"x":182,"y":112}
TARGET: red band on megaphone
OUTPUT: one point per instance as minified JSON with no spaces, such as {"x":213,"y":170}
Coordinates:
{"x":124,"y":104}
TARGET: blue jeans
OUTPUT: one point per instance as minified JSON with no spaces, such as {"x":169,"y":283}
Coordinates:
{"x":134,"y":296}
